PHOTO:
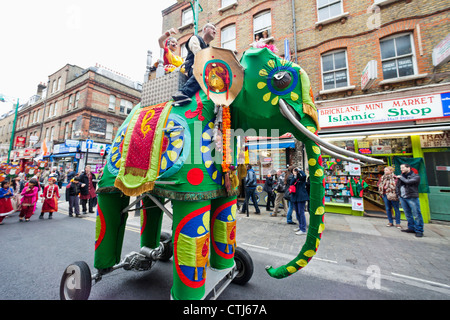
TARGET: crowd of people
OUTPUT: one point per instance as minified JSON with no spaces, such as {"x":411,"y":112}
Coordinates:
{"x":22,"y":194}
{"x":292,"y":189}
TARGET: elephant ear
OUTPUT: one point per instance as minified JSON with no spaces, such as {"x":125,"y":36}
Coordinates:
{"x":219,"y":74}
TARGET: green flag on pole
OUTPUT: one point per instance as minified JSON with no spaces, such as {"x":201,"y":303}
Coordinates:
{"x":417,"y":166}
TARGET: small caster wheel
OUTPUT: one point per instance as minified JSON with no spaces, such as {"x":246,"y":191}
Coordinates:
{"x":76,"y":282}
{"x":168,"y":246}
{"x":244,"y":265}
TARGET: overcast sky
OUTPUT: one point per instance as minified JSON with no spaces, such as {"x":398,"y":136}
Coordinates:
{"x":40,"y":37}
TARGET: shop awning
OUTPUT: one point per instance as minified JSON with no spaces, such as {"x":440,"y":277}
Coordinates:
{"x":271,"y":145}
{"x":62,"y":155}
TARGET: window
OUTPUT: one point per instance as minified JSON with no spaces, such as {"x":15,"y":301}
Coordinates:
{"x":125,"y":106}
{"x":228,"y":37}
{"x":327,"y":9}
{"x":109,"y":131}
{"x":187,"y":17}
{"x":55,"y":109}
{"x":54,"y":86}
{"x":334,"y":70}
{"x":50,"y":112}
{"x":77,"y":98}
{"x":112,"y":103}
{"x":70,"y":102}
{"x":46,"y":134}
{"x":66,"y":131}
{"x":52,"y":133}
{"x":72,"y":135}
{"x":59,"y":84}
{"x":262,"y":22}
{"x":397,"y":56}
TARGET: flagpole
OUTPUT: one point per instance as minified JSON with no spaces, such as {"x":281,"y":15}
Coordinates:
{"x":13,"y":130}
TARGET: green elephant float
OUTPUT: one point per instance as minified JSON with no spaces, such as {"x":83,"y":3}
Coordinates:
{"x":174,"y":152}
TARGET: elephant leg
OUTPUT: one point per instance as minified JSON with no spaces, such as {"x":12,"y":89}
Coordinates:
{"x":110,"y":229}
{"x":223,"y":232}
{"x":151,"y":220}
{"x":191,"y":223}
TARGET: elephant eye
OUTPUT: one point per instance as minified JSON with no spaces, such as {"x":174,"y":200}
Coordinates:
{"x":281,"y":80}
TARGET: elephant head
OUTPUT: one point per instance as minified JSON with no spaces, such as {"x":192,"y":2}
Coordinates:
{"x":276,"y":94}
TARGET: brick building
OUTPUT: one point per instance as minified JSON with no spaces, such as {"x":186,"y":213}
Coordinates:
{"x":378,"y":68}
{"x":75,"y":104}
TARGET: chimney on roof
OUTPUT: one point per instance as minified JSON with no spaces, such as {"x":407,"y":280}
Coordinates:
{"x":40,"y":89}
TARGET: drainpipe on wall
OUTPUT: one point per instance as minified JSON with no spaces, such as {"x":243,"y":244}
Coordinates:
{"x":295,"y":30}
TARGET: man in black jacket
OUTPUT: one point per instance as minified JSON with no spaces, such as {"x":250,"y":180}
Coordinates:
{"x":408,"y":191}
{"x":250,"y":189}
{"x":87,"y":194}
{"x":193,"y":45}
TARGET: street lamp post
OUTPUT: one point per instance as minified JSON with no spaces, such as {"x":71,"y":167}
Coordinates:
{"x":11,"y":142}
{"x":13,"y":130}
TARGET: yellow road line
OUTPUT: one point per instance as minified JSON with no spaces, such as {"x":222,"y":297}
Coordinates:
{"x":89,"y":218}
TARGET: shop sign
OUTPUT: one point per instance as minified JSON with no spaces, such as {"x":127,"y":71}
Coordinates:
{"x":96,"y":147}
{"x":357,"y":204}
{"x":381,"y":149}
{"x":369,"y":75}
{"x":29,"y":152}
{"x":435,"y":140}
{"x":20,"y":141}
{"x":63,"y":148}
{"x":403,"y":109}
{"x":72,"y":143}
{"x":441,"y":53}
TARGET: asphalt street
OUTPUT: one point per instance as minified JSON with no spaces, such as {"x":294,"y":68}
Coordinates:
{"x":358,"y":258}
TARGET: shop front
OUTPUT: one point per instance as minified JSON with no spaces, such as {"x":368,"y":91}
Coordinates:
{"x":405,"y":126}
{"x":267,"y":156}
{"x":65,"y":156}
{"x":23,"y":157}
{"x":95,"y":156}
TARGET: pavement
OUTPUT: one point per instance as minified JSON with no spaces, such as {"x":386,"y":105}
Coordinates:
{"x":356,"y":243}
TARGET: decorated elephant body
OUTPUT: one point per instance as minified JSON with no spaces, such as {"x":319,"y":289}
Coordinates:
{"x":171,"y":152}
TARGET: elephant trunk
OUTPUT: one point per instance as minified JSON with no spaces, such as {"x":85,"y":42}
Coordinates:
{"x":316,"y":213}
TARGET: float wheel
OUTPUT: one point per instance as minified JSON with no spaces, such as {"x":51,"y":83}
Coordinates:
{"x":244,"y":265}
{"x":76,"y":282}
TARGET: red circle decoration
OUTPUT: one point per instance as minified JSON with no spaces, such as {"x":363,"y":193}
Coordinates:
{"x":195,"y":176}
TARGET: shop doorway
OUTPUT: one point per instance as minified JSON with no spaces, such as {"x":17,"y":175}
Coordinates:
{"x":438,"y":172}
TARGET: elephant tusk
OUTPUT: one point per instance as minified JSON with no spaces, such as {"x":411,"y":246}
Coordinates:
{"x":284,"y":109}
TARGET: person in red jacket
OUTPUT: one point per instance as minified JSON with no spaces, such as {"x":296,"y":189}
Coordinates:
{"x":51,"y":196}
{"x":6,"y":207}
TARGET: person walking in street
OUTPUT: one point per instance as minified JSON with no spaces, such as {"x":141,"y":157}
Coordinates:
{"x":72,"y":192}
{"x":50,"y":199}
{"x":29,"y":200}
{"x":44,"y":177}
{"x":268,"y":188}
{"x":250,"y":189}
{"x":6,"y":193}
{"x":70,"y":175}
{"x":15,"y":200}
{"x":388,"y":191}
{"x":408,"y":190}
{"x":299,"y":198}
{"x":87,"y":193}
{"x":280,"y":188}
{"x":287,"y":196}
